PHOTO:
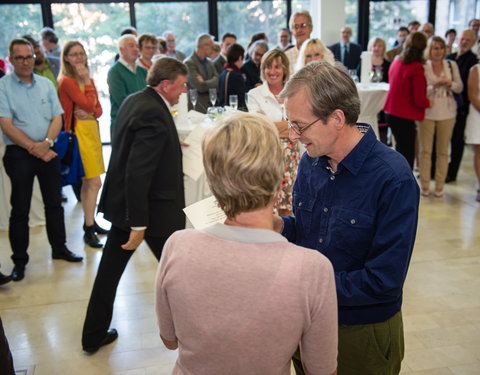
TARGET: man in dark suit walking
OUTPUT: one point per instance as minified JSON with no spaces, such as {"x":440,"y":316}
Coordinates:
{"x":348,"y":53}
{"x":143,"y":194}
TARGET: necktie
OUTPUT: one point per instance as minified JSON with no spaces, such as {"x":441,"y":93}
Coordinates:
{"x":345,"y":55}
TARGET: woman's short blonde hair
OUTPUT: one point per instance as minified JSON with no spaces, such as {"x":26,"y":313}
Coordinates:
{"x":374,"y":41}
{"x":243,"y":162}
{"x":313,"y":44}
{"x":270,"y":57}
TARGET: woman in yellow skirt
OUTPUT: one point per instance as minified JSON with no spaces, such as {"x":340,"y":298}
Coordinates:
{"x":81,"y":106}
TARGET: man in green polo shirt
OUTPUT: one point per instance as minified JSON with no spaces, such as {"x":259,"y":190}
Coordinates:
{"x":47,"y":67}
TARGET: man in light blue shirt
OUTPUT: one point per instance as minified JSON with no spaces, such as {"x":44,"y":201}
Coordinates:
{"x":30,"y":118}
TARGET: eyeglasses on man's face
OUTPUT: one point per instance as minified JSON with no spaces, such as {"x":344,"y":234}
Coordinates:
{"x":299,"y":130}
{"x":301,"y":26}
{"x":21,"y":59}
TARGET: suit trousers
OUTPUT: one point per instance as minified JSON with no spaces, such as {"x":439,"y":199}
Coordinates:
{"x":21,"y":168}
{"x":457,"y":143}
{"x":110,"y":270}
{"x":404,"y":131}
{"x":441,"y":132}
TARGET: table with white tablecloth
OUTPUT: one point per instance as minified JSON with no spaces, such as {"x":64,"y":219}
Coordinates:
{"x":372,"y":99}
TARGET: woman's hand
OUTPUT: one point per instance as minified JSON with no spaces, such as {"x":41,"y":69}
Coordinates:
{"x":80,"y":114}
{"x":443,"y":82}
{"x":82,"y":73}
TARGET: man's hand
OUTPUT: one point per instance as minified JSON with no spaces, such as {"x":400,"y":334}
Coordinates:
{"x":135,"y":239}
{"x":184,"y":144}
{"x":49,"y":156}
{"x":39,"y":149}
{"x":200,"y":78}
{"x":278,"y":224}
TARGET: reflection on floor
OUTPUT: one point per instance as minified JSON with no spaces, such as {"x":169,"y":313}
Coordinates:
{"x":43,"y":314}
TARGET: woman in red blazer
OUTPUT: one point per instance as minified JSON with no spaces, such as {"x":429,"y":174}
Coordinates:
{"x":407,"y":98}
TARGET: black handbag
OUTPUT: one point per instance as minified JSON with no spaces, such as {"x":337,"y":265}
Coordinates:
{"x":458,"y":97}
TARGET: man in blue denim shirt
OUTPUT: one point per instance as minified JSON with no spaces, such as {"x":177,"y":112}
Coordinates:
{"x":356,"y":201}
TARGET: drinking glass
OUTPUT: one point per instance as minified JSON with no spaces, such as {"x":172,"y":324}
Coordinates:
{"x":213,"y":96}
{"x":193,"y":93}
{"x":233,"y":100}
{"x":353,"y":74}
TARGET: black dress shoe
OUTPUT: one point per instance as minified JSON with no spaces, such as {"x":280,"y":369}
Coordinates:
{"x":99,"y":229}
{"x":18,"y":273}
{"x":111,"y":336}
{"x":450,"y":179}
{"x":4,"y":278}
{"x":90,"y":237}
{"x":67,"y":255}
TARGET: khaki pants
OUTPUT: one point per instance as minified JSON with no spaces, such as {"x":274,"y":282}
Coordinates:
{"x":368,"y":349}
{"x":441,"y":131}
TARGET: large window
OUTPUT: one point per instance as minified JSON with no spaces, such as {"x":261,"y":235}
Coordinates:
{"x":256,"y":16}
{"x":17,"y":20}
{"x":97,"y":27}
{"x":351,"y":16}
{"x":387,"y":16}
{"x":455,"y":14}
{"x":186,"y":19}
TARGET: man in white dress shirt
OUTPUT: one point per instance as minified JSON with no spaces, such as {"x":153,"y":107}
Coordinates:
{"x":301,"y":27}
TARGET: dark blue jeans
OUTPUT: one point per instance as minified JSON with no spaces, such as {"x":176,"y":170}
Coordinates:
{"x":21,"y":168}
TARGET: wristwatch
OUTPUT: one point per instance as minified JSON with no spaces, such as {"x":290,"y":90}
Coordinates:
{"x":49,"y":141}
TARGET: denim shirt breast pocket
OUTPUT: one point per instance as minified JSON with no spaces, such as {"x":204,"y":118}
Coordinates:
{"x":303,"y":206}
{"x":352,"y":233}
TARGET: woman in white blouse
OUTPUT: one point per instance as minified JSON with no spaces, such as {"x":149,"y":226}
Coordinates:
{"x":274,"y":71}
{"x":443,"y":80}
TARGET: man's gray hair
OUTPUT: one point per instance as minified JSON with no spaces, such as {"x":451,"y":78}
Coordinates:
{"x":202,"y":39}
{"x":123,"y":39}
{"x":166,"y":33}
{"x":304,"y":13}
{"x":328,"y":87}
{"x":258,"y":43}
{"x":165,"y":68}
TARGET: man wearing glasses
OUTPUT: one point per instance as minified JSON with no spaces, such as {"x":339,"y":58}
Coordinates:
{"x":301,"y":27}
{"x":30,"y":118}
{"x":356,"y":201}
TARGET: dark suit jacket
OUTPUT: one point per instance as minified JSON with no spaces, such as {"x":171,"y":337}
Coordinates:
{"x":210,"y":81}
{"x":219,"y":62}
{"x":252,"y":74}
{"x":465,"y":63}
{"x":144,"y":183}
{"x":353,"y":54}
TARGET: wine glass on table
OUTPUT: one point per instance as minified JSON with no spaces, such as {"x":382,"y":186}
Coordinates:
{"x":233,"y":100}
{"x":193,"y":93}
{"x":213,"y":96}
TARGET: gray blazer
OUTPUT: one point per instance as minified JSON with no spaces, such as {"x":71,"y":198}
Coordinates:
{"x":210,"y":80}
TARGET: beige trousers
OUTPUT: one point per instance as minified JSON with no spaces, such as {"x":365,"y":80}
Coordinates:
{"x":441,"y":131}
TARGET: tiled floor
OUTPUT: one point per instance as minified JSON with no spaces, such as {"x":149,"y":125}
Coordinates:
{"x":43,"y":314}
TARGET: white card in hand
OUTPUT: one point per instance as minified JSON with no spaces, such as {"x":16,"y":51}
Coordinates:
{"x":205,"y":213}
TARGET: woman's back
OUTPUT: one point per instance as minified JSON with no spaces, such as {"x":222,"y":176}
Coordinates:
{"x":242,"y":299}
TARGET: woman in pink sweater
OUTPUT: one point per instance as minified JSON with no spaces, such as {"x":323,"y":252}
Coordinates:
{"x":237,"y":298}
{"x":407,"y":98}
